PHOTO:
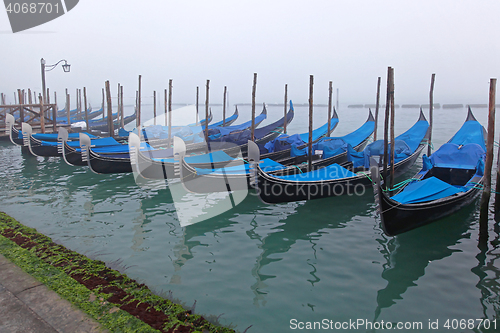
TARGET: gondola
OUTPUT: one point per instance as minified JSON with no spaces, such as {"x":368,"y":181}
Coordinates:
{"x":156,"y":164}
{"x":334,"y":179}
{"x":45,"y":148}
{"x":450,"y":179}
{"x":16,"y":136}
{"x":73,"y":155}
{"x":99,"y":163}
{"x":71,"y":151}
{"x":206,"y":178}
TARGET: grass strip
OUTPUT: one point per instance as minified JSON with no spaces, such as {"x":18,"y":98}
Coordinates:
{"x":117,"y":302}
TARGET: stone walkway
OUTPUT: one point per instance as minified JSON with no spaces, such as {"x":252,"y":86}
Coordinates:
{"x":26,"y":306}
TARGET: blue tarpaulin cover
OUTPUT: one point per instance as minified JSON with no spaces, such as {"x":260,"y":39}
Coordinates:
{"x":405,"y":145}
{"x":266,"y":164}
{"x":285,"y":141}
{"x":109,"y":141}
{"x":428,"y":189}
{"x":53,"y":136}
{"x":451,"y":155}
{"x":470,"y":132}
{"x":215,"y":133}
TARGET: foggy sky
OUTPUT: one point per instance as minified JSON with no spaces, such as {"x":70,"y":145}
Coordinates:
{"x":348,"y":42}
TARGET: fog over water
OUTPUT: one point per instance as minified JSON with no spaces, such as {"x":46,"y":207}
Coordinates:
{"x":349,"y":43}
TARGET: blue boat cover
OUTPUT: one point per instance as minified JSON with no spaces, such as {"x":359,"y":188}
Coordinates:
{"x":336,"y":145}
{"x":242,"y":137}
{"x":53,"y":136}
{"x":333,"y":171}
{"x":428,"y":189}
{"x":286,"y":141}
{"x":215,"y":133}
{"x":405,"y":145}
{"x":103,"y":142}
{"x":470,"y":132}
{"x":213,"y":157}
{"x":266,"y":164}
{"x":119,"y":149}
{"x":451,"y":155}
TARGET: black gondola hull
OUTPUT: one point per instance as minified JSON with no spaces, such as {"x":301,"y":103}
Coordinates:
{"x":275,"y":190}
{"x":398,"y":218}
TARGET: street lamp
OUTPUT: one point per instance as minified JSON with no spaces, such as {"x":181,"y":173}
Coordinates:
{"x":46,"y":68}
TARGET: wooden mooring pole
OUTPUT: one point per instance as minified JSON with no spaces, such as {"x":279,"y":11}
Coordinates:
{"x":110,"y":111}
{"x":170,"y":111}
{"x":68,"y":109}
{"x":254,"y":87}
{"x":197,"y":99}
{"x":431,"y":114}
{"x":165,"y":102}
{"x":42,"y":116}
{"x":386,"y":126}
{"x":118,"y":100}
{"x":21,"y":106}
{"x":102,"y":106}
{"x":206,"y":115}
{"x":121,"y":108}
{"x":309,"y":157}
{"x":285,"y":108}
{"x":154,"y":107}
{"x":485,"y":198}
{"x":393,"y":143}
{"x":86,"y":111}
{"x":138,"y":119}
{"x":224,"y":108}
{"x":330,"y":93}
{"x":376,"y":109}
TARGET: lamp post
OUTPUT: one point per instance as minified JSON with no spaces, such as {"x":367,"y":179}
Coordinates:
{"x":46,"y":68}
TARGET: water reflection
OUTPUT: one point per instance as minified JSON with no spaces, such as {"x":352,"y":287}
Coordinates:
{"x":303,"y":221}
{"x":409,"y":254}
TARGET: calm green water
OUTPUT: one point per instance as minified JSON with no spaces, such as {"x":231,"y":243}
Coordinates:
{"x":266,"y":265}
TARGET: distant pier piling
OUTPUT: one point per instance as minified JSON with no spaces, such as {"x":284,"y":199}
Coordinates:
{"x":485,"y":198}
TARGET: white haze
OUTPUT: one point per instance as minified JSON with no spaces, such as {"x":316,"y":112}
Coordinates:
{"x":348,"y":42}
